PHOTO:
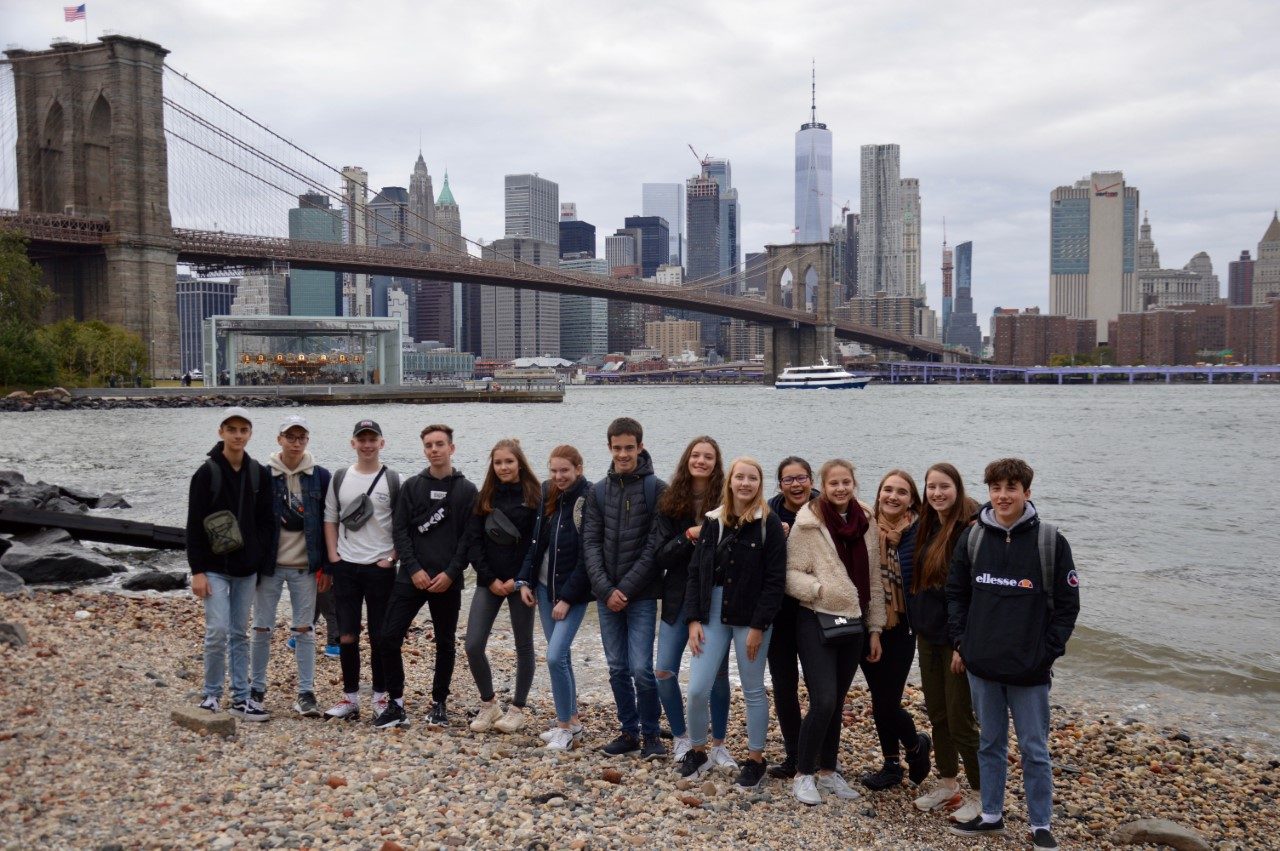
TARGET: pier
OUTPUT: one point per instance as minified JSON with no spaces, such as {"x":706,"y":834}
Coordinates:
{"x":920,"y":372}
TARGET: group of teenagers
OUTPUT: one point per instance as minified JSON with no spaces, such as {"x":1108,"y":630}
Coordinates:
{"x":809,"y":579}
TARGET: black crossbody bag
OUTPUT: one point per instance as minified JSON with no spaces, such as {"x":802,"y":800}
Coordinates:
{"x":838,"y":629}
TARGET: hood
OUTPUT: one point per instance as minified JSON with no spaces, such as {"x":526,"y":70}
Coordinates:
{"x":717,"y":514}
{"x":216,"y":454}
{"x":279,"y":468}
{"x":644,"y":467}
{"x":456,"y":474}
{"x":988,"y":517}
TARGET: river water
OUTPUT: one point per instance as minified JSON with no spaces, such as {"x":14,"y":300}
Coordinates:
{"x":1161,"y":490}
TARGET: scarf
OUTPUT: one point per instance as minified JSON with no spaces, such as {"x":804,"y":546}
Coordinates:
{"x":848,"y":537}
{"x":890,"y":568}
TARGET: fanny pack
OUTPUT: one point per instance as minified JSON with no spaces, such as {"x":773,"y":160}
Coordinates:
{"x":292,"y":517}
{"x":499,"y":529}
{"x":838,"y":629}
{"x":223,"y":531}
{"x":359,"y":512}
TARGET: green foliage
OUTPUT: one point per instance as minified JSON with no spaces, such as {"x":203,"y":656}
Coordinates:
{"x":23,"y":361}
{"x":1097,"y":357}
{"x":22,"y":294}
{"x":89,"y":353}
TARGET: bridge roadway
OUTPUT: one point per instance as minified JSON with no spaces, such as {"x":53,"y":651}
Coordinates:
{"x":216,"y":249}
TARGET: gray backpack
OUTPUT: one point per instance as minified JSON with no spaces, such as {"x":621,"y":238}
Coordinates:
{"x":1046,"y":542}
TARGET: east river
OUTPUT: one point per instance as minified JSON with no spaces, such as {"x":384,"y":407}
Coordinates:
{"x":1165,"y":493}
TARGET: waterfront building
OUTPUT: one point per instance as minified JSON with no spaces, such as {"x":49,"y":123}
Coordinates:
{"x":962,"y":327}
{"x":667,"y":201}
{"x":912,"y":285}
{"x":881,"y":267}
{"x":673,"y":337}
{"x":654,"y":241}
{"x":1266,"y":269}
{"x":514,"y":322}
{"x":584,"y":320}
{"x":895,"y":314}
{"x":312,"y":292}
{"x":1093,"y":233}
{"x":1032,"y":338}
{"x":813,"y":176}
{"x":431,"y":364}
{"x":197,"y":301}
{"x":1240,"y":279}
{"x":533,"y":208}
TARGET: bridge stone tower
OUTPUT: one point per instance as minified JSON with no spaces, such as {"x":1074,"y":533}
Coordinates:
{"x":793,"y":345}
{"x":91,"y":143}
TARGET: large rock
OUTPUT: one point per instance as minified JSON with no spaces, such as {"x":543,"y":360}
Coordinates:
{"x":65,"y":505}
{"x":11,"y":584}
{"x":41,"y":492}
{"x":13,"y":634}
{"x":112,"y":500}
{"x":203,"y":721}
{"x":1159,"y":831}
{"x":58,"y":563}
{"x":9,"y":478}
{"x":155,"y":580}
{"x":6,"y":541}
{"x":50,"y":535}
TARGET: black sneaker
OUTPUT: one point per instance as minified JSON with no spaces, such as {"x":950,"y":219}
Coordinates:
{"x":977,"y":827}
{"x":392,"y":716}
{"x":258,"y":697}
{"x":886,"y":778}
{"x":653,"y":748}
{"x":918,"y":763}
{"x":438,"y":716}
{"x":752,"y":773}
{"x":784,"y":770}
{"x":306,"y":705}
{"x":1042,"y":838}
{"x":693,"y":763}
{"x":625,"y":743}
{"x":247,"y":710}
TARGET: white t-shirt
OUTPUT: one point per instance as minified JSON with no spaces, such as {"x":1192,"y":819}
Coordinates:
{"x":372,"y":541}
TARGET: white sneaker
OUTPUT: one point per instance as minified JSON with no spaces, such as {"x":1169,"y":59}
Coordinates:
{"x":380,"y":701}
{"x":346,"y":709}
{"x":718,"y":757}
{"x":805,"y":790}
{"x":680,"y":747}
{"x":939,"y":797}
{"x":969,"y":810}
{"x":488,"y":716}
{"x":561,"y":740}
{"x":210,"y":703}
{"x":548,"y":734}
{"x":512,"y":721}
{"x":833,"y":784}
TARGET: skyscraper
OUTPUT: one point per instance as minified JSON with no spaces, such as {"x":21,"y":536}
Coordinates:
{"x":355,"y":192}
{"x":655,"y":241}
{"x":721,"y":172}
{"x":911,"y":236}
{"x":1093,"y":234}
{"x":1266,"y":269}
{"x":702,"y":255}
{"x":311,"y":292}
{"x":584,"y":320}
{"x":449,"y":238}
{"x":197,"y":301}
{"x":963,"y":328}
{"x":881,"y":268}
{"x":533,"y":208}
{"x":813,"y":175}
{"x":665,"y":200}
{"x":517,"y":323}
{"x":1240,"y":280}
{"x":422,"y":206}
{"x":388,"y":226}
{"x":948,"y":266}
{"x":577,"y":238}
{"x":852,"y":222}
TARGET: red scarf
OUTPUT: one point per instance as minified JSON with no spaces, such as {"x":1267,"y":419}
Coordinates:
{"x":848,"y":536}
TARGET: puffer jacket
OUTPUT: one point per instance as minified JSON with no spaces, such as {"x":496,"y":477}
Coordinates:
{"x":613,"y":540}
{"x":559,"y":538}
{"x":754,"y":564}
{"x":492,"y":560}
{"x":817,"y":577}
{"x":670,"y":551}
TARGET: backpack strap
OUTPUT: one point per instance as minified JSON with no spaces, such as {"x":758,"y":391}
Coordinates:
{"x":1046,"y":541}
{"x":338,"y":476}
{"x":973,"y":543}
{"x":597,"y":490}
{"x":651,"y":493}
{"x":215,"y":478}
{"x":393,"y":485}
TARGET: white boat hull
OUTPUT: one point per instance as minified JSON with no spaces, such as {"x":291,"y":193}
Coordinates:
{"x":856,"y":382}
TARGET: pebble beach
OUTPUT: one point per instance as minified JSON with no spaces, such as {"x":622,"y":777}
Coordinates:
{"x":91,"y":759}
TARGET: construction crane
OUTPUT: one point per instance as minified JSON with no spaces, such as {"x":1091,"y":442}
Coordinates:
{"x":702,"y":160}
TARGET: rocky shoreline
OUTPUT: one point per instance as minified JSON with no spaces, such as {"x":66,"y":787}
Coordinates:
{"x":60,"y":399}
{"x":92,"y":760}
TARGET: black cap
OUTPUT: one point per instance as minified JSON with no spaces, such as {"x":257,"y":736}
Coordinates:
{"x":367,"y":425}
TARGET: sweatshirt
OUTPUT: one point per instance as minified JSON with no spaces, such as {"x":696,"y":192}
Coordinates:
{"x":252,"y":510}
{"x":431,"y":517}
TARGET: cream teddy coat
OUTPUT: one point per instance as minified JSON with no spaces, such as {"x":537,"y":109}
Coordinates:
{"x":817,"y":578}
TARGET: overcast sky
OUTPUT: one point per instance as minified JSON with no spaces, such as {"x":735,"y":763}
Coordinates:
{"x":993,"y":104}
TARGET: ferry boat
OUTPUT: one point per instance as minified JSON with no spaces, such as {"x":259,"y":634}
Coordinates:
{"x":820,"y":377}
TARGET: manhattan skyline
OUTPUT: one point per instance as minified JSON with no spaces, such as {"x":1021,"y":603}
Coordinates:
{"x":992,"y":111}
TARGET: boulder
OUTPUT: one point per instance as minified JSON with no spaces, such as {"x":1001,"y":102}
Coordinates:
{"x":10,"y":584}
{"x":1159,"y":831}
{"x":13,"y":634}
{"x":9,"y":478}
{"x":19,"y":501}
{"x":112,"y":500}
{"x":89,"y":499}
{"x":155,"y":580}
{"x":19,"y":396}
{"x":65,"y":505}
{"x":5,"y":542}
{"x":41,"y":492}
{"x":50,"y":535}
{"x":203,"y":721}
{"x":58,"y":563}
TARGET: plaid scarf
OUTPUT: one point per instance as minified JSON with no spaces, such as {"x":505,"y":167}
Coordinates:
{"x":895,"y":603}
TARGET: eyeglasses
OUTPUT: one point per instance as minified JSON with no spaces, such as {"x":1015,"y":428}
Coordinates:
{"x":296,"y":438}
{"x":794,"y":480}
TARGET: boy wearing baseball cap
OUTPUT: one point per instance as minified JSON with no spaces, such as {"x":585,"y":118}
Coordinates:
{"x":298,"y":488}
{"x":229,"y":542}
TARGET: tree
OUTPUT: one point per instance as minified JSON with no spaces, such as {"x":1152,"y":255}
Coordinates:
{"x":23,"y":295}
{"x":23,"y":361}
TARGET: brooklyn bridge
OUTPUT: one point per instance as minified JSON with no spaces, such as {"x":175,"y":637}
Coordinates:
{"x":125,"y":168}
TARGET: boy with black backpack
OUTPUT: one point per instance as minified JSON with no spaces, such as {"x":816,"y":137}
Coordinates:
{"x":361,"y":557}
{"x":229,"y":542}
{"x":1012,"y":601}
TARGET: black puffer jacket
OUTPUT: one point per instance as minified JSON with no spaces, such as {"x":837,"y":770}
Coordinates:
{"x":670,"y":552}
{"x":490,"y":559}
{"x":614,"y":540}
{"x":755,"y":571}
{"x":253,"y":512}
{"x":559,"y":538}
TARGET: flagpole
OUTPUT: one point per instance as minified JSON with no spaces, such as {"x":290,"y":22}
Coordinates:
{"x":86,"y":24}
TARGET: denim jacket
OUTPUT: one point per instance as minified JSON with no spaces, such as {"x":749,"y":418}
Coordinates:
{"x":315,"y":485}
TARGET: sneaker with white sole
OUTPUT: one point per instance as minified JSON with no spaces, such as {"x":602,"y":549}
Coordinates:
{"x":210,"y":703}
{"x":805,"y":790}
{"x":512,"y":721}
{"x":680,"y":746}
{"x":345,"y":709}
{"x":720,"y":758}
{"x":977,"y":827}
{"x":939,"y":797}
{"x":489,"y":715}
{"x":969,"y":810}
{"x":833,"y":784}
{"x":393,"y":716}
{"x":549,"y":734}
{"x":306,"y":705}
{"x":561,"y":740}
{"x":1042,"y":838}
{"x":380,"y":701}
{"x":247,"y":710}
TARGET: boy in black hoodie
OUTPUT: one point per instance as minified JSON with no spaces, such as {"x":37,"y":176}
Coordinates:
{"x":226,"y":581}
{"x":431,"y":515}
{"x":1009,"y":617}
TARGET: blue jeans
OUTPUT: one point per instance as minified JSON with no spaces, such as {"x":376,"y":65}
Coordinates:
{"x":302,"y":602}
{"x":994,"y":702}
{"x":559,"y":635}
{"x":226,"y":626}
{"x":672,"y":639}
{"x":705,"y":668}
{"x":627,"y":637}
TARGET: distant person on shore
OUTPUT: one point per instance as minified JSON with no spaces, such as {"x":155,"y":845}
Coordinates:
{"x":831,"y":569}
{"x":358,"y":512}
{"x":1012,"y":601}
{"x":896,"y":503}
{"x":229,"y":542}
{"x":925,"y":557}
{"x":696,"y":488}
{"x":298,"y":489}
{"x":619,"y":513}
{"x":430,"y":521}
{"x":795,"y":489}
{"x":736,"y":581}
{"x":554,"y":575}
{"x":498,"y":537}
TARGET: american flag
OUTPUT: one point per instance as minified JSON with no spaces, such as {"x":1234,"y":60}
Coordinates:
{"x":73,"y":13}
